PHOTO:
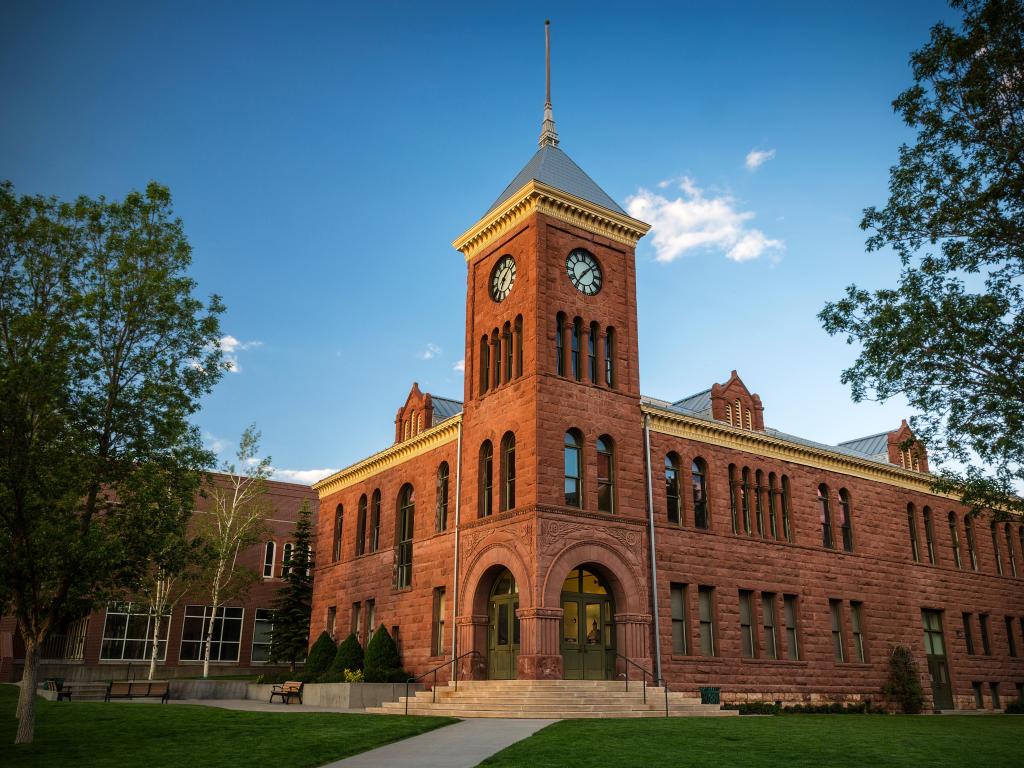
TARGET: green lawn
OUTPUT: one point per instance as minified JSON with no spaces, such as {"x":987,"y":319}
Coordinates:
{"x":152,"y":735}
{"x":816,"y":741}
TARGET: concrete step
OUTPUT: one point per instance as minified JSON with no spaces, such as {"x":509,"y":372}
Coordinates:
{"x":542,"y":714}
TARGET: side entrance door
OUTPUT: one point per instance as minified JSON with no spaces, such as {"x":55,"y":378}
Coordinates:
{"x":503,"y":630}
{"x":588,"y":650}
{"x":935,"y":652}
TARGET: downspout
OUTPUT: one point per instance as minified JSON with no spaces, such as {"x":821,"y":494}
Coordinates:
{"x":455,"y":569}
{"x":654,"y":563}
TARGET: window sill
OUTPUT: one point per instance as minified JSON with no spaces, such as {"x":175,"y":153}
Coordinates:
{"x":776,"y":662}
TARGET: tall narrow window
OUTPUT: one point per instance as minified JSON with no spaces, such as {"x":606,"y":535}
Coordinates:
{"x":506,"y":343}
{"x":403,"y":537}
{"x":1011,"y":557}
{"x":787,"y":529}
{"x":576,"y":339}
{"x":371,"y":618}
{"x":609,"y":357}
{"x":437,"y":633}
{"x":773,"y":522}
{"x":519,"y":345}
{"x":573,"y":467}
{"x":972,"y":550}
{"x":605,"y":474}
{"x":286,"y":559}
{"x":357,"y":621}
{"x":995,"y":549}
{"x":698,"y":482}
{"x":929,"y":534}
{"x":954,"y":540}
{"x":441,"y":513}
{"x":680,"y":639}
{"x":771,"y":645}
{"x":595,"y":331}
{"x":791,"y":615}
{"x":672,"y":488}
{"x":745,"y":499}
{"x":835,"y":611}
{"x":748,"y":643}
{"x":485,"y":364}
{"x":486,"y":481}
{"x":915,"y":550}
{"x":734,"y":498}
{"x":361,"y":526}
{"x":336,"y":540}
{"x":986,"y":641}
{"x":560,"y":344}
{"x":826,"y":517}
{"x":495,"y":359}
{"x":269,"y":552}
{"x":375,"y":521}
{"x":758,"y":502}
{"x":968,"y":633}
{"x":857,"y":627}
{"x":508,"y":471}
{"x":705,"y":599}
{"x":1011,"y":641}
{"x":846,"y":519}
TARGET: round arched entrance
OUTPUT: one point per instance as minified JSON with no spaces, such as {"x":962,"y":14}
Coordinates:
{"x":503,"y":628}
{"x":588,"y":628}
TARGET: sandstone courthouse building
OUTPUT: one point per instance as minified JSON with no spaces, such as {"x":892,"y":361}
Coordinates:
{"x":558,"y":522}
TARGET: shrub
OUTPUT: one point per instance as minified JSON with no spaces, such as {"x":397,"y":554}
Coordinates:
{"x":353,"y":676}
{"x":904,"y":683}
{"x":1014,"y":708}
{"x":349,"y":655}
{"x":382,"y":663}
{"x":320,"y":657}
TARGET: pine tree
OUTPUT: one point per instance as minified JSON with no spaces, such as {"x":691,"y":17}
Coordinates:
{"x":904,"y":683}
{"x":320,"y":657}
{"x":382,"y":663}
{"x":293,"y":607}
{"x":349,"y":655}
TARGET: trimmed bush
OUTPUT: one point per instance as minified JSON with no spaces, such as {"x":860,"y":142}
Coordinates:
{"x":382,"y":663}
{"x":903,"y":685}
{"x":320,"y":657}
{"x":1014,"y":708}
{"x":349,"y":655}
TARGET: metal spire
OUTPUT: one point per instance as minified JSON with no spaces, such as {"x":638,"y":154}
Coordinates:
{"x":548,"y":134}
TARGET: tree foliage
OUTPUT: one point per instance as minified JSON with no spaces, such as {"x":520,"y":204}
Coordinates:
{"x":381,"y":662}
{"x":950,"y":335}
{"x":349,"y":655}
{"x":294,"y":604}
{"x":320,"y":656}
{"x":104,"y":355}
{"x":903,"y":683}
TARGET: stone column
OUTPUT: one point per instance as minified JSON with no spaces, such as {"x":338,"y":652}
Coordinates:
{"x":632,"y":640}
{"x":540,"y":651}
{"x":472,"y":637}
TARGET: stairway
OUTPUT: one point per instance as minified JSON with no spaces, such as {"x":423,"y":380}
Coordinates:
{"x":549,"y":699}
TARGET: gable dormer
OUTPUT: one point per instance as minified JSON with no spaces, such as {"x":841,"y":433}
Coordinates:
{"x":905,"y":450}
{"x":734,"y":404}
{"x":422,"y":411}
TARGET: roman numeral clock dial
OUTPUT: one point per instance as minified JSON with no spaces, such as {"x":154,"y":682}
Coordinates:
{"x":502,"y":278}
{"x":584,"y":271}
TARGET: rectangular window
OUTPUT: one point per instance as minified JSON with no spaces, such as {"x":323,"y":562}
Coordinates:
{"x":261,"y":634}
{"x":857,"y":627}
{"x":394,"y":636}
{"x":437,"y":635}
{"x":986,"y":644}
{"x":357,"y":621}
{"x":979,"y":695}
{"x":332,"y":618}
{"x":1010,"y":641}
{"x":790,"y":609}
{"x":835,"y":608}
{"x":968,"y":633}
{"x":680,"y":638}
{"x":994,"y":689}
{"x":227,"y":633}
{"x":128,"y":632}
{"x":371,"y":618}
{"x":932,"y":624}
{"x":706,"y":598}
{"x":771,"y":646}
{"x":1020,"y":692}
{"x":748,"y":644}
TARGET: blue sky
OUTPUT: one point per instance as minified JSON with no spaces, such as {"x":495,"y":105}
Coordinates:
{"x":324,"y":156}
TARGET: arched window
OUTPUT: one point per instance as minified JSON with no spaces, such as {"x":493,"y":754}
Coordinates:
{"x":485,"y":505}
{"x":375,"y":521}
{"x":745,"y":498}
{"x":441,"y":513}
{"x":972,"y":550}
{"x":595,"y":331}
{"x":485,"y":364}
{"x":573,"y":469}
{"x":954,"y":540}
{"x":746,"y":417}
{"x":339,"y":514}
{"x":508,"y":471}
{"x":1011,"y":557}
{"x":269,"y":551}
{"x":773,"y":491}
{"x":915,"y":550}
{"x":495,"y":359}
{"x":560,"y":344}
{"x":787,"y":529}
{"x":286,"y":559}
{"x":846,"y":519}
{"x":361,"y":526}
{"x":734,"y":498}
{"x":605,"y":474}
{"x":698,"y":480}
{"x":759,"y":502}
{"x":995,"y":549}
{"x":728,"y":413}
{"x":929,"y":534}
{"x":609,"y":356}
{"x":519,"y":345}
{"x":672,"y":489}
{"x":405,"y":525}
{"x":576,"y":341}
{"x":826,"y":517}
{"x":506,"y":343}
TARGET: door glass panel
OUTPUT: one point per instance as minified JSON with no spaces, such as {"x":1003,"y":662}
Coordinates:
{"x":593,"y":623}
{"x":591,"y":585}
{"x":607,"y":625}
{"x":515,"y":623}
{"x":570,"y":623}
{"x":502,"y":623}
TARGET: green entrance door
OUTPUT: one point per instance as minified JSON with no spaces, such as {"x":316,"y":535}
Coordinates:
{"x":935,"y":652}
{"x":588,"y":631}
{"x":503,"y":629}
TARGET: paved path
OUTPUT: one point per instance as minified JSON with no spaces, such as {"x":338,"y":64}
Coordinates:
{"x":462,"y":745}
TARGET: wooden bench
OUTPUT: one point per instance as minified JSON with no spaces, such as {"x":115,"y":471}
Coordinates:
{"x":289,"y":690}
{"x":138,"y":689}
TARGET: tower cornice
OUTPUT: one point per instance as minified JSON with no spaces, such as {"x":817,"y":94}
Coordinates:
{"x":537,"y":197}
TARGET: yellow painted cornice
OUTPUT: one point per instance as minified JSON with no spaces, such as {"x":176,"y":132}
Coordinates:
{"x":427,"y":440}
{"x":536,"y":197}
{"x":716,"y":433}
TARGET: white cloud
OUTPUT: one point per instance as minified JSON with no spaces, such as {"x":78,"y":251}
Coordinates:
{"x":304,"y":476}
{"x":459,"y":366}
{"x":758,"y":157}
{"x":217,"y":445}
{"x":230,"y":347}
{"x":430,"y":352}
{"x":694,"y":222}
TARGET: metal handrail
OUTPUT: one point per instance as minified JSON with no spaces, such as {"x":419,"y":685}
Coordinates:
{"x":644,"y":671}
{"x":434,"y":671}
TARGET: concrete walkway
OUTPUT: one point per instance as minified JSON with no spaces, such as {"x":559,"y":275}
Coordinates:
{"x":462,"y":745}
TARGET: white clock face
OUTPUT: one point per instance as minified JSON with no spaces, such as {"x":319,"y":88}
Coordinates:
{"x":584,"y":271}
{"x":502,"y":278}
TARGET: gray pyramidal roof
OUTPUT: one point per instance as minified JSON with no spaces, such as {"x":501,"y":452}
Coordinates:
{"x":444,"y":408}
{"x":553,"y":167}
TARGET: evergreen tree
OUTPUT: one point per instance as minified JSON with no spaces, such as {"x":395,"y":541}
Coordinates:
{"x":382,"y":664}
{"x":320,"y":656}
{"x":293,"y":607}
{"x":349,"y":655}
{"x":904,"y":683}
